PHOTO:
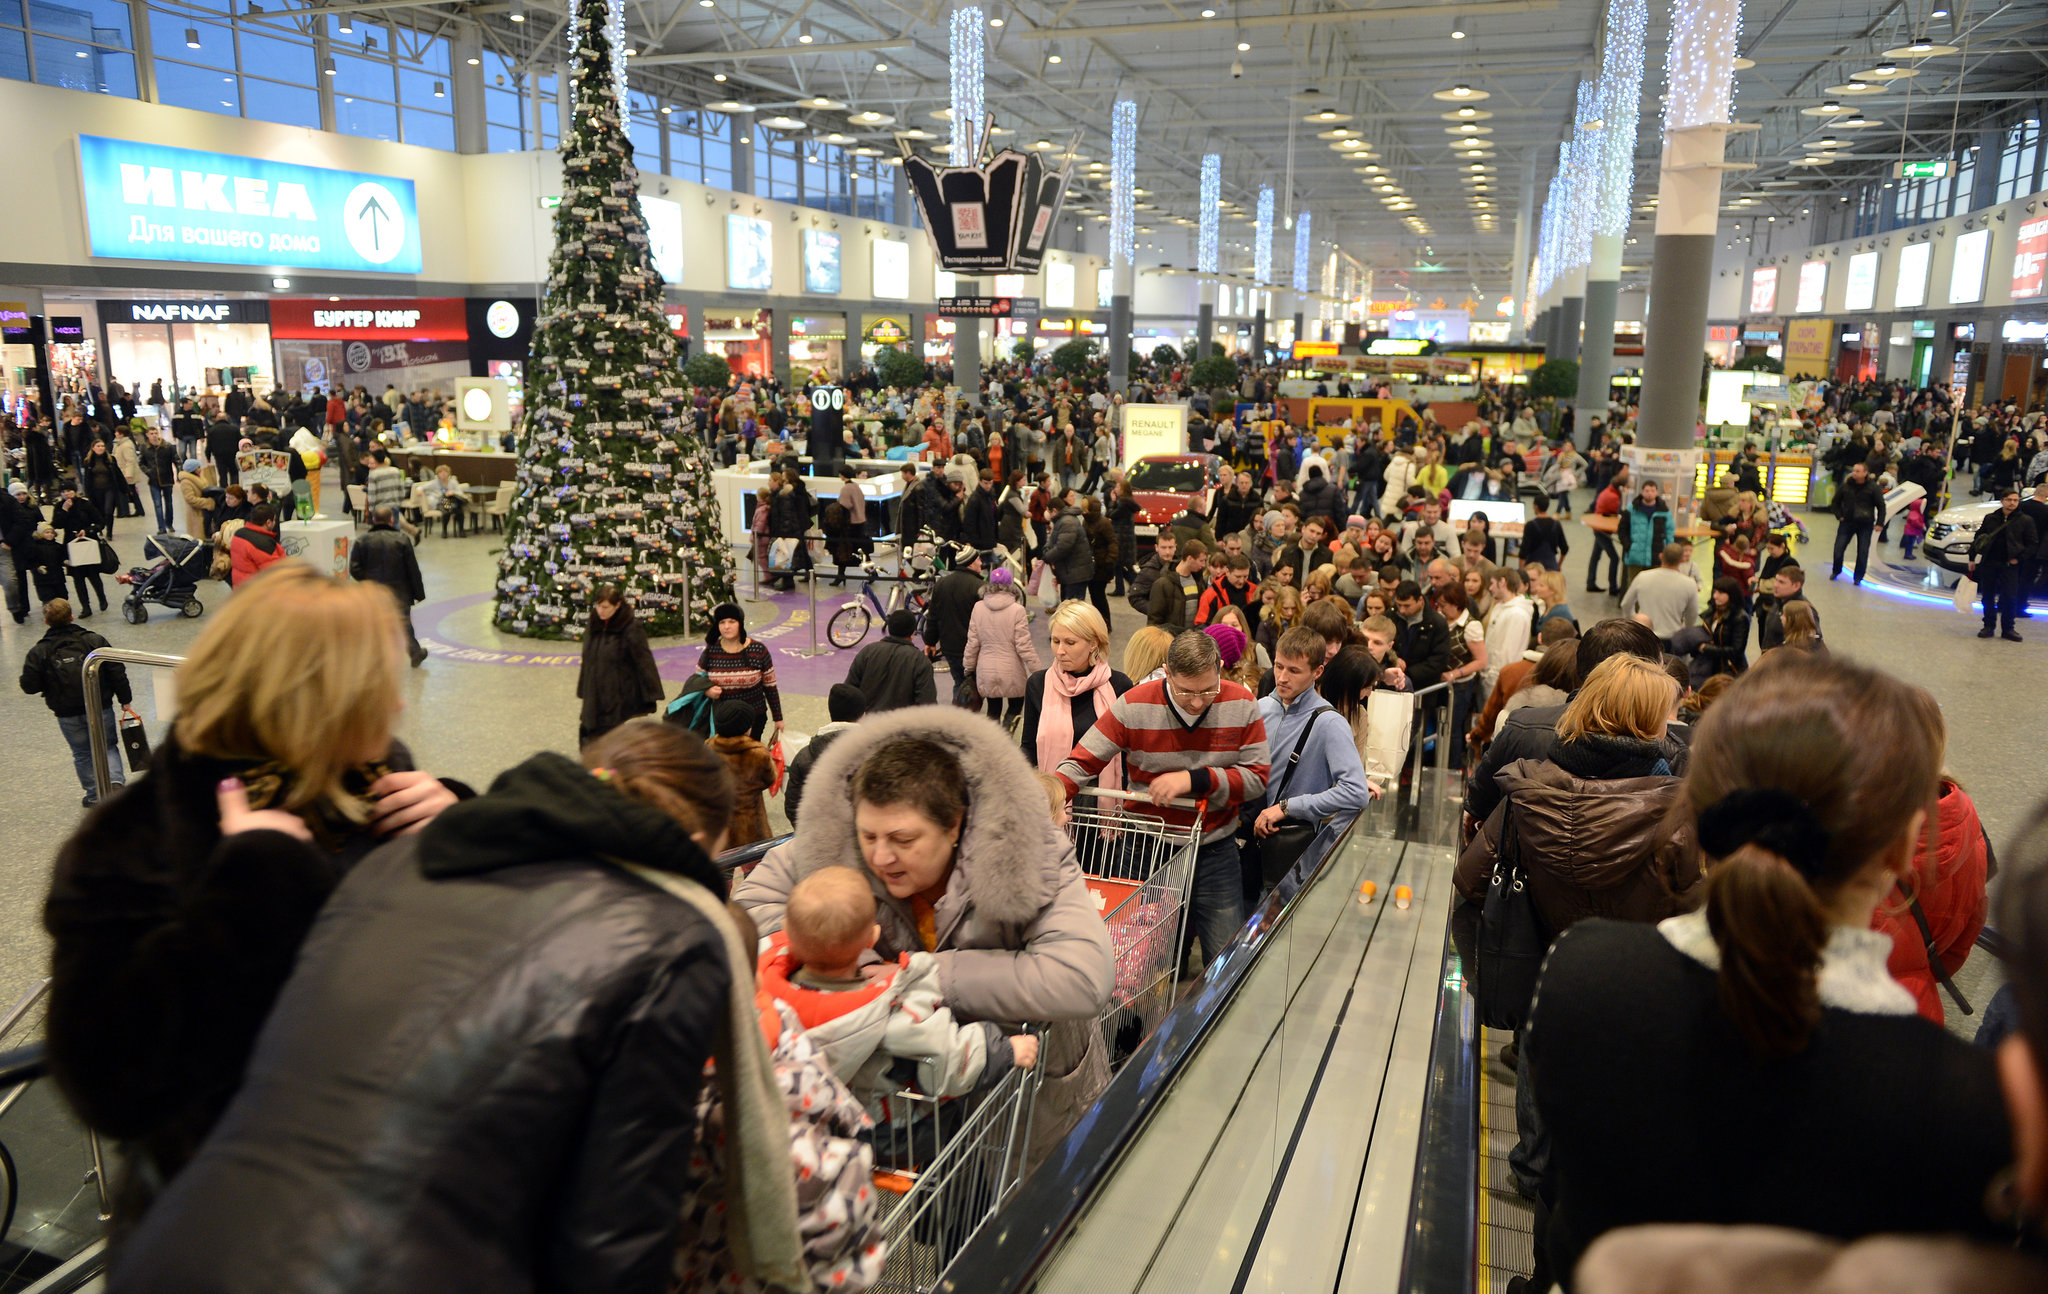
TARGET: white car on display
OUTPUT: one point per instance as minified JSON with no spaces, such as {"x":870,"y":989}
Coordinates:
{"x":1951,"y":533}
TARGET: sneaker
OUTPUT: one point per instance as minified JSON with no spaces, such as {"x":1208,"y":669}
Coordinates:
{"x":2011,"y":637}
{"x":1986,"y":632}
{"x":87,"y":802}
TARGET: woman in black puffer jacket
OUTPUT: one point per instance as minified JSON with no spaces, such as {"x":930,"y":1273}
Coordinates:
{"x":483,"y":1072}
{"x":619,"y":679}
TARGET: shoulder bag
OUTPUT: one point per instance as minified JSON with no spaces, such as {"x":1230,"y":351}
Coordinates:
{"x":1512,"y":940}
{"x":1279,"y":852}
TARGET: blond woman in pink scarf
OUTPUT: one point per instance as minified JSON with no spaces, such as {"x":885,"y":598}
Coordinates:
{"x":1062,"y":701}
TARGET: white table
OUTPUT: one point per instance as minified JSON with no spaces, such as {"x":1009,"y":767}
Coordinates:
{"x":324,"y":543}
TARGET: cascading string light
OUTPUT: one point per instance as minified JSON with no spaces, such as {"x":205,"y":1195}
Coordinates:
{"x":1621,"y":97}
{"x":1212,"y":193}
{"x":1586,"y":169}
{"x":1301,"y":251}
{"x":1699,"y":65}
{"x":1123,"y":178}
{"x":967,"y":65}
{"x":1262,"y":254}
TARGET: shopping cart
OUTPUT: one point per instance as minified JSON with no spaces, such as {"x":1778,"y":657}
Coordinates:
{"x":1139,"y":866}
{"x":952,"y":1163}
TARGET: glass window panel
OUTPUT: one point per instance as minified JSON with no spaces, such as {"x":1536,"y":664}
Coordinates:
{"x":547,"y":109}
{"x":416,"y":89}
{"x":429,"y":52}
{"x":286,"y":60}
{"x":363,"y":78}
{"x":216,"y":43}
{"x":365,"y":117}
{"x":13,"y":55}
{"x":290,"y":105}
{"x":718,"y":157}
{"x":208,"y":89}
{"x":104,"y":22}
{"x":429,"y":129}
{"x":502,"y":139}
{"x":75,"y":66}
{"x":11,"y":14}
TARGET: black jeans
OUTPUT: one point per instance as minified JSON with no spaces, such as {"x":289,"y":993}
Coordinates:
{"x":1001,"y":708}
{"x":1603,"y":545}
{"x":1098,"y":593}
{"x":1862,"y":532}
{"x":2001,"y":588}
{"x":79,"y":580}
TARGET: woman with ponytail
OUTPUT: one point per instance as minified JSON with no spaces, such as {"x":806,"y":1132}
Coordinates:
{"x":1753,"y":1061}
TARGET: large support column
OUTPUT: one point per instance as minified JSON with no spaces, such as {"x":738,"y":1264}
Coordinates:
{"x":1688,"y":216}
{"x":1123,"y":277}
{"x":1571,"y":313}
{"x":1525,"y":230}
{"x":966,"y":349}
{"x":1298,"y":334}
{"x":1205,"y":321}
{"x":1259,"y":331}
{"x":1596,"y":352}
{"x":1994,"y":371}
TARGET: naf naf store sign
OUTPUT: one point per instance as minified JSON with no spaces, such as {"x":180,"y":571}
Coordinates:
{"x":185,"y":312}
{"x":149,"y":202}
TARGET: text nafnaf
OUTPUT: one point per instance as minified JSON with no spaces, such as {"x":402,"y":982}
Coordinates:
{"x":158,"y":203}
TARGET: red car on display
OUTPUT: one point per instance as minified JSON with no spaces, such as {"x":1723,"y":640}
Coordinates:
{"x":1163,"y":484}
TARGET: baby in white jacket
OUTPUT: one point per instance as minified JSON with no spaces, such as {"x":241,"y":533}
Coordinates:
{"x":862,"y":1024}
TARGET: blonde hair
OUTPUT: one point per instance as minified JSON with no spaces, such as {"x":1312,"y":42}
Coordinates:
{"x":1626,"y":696}
{"x":829,"y":916}
{"x":301,"y":668}
{"x":1083,"y":621}
{"x":1055,"y":794}
{"x":1146,"y":651}
{"x":1287,"y":604}
{"x":1551,"y":585}
{"x":1318,"y":583}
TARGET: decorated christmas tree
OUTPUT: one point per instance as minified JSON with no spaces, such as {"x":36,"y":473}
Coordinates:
{"x":614,"y":483}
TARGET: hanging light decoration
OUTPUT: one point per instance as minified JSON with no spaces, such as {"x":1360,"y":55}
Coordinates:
{"x":1212,"y":193}
{"x":1699,"y":65}
{"x":969,"y":24}
{"x":1123,"y":179}
{"x":1301,"y":251}
{"x":1621,"y":96}
{"x":1262,"y":252}
{"x":1587,"y":161}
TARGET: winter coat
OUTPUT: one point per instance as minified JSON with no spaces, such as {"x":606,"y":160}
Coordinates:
{"x":126,"y":459}
{"x":953,"y":600}
{"x":1642,"y":532}
{"x":482,"y":1074}
{"x":1727,"y":646}
{"x":1010,"y":517}
{"x":978,"y":528}
{"x":1067,"y":549}
{"x":1000,"y":653}
{"x":618,"y":679}
{"x":753,"y":772}
{"x":55,"y":669}
{"x":1590,"y":833}
{"x":1017,"y":934}
{"x":799,"y":770}
{"x":1949,"y":878}
{"x":102,"y":474}
{"x":1699,"y":1258}
{"x":893,"y":674}
{"x":1236,"y":512}
{"x":1101,"y":543}
{"x":197,"y":505}
{"x":385,"y":556}
{"x":169,"y":943}
{"x":1193,"y":525}
{"x":789,"y":512}
{"x":251,"y":550}
{"x":1321,"y":497}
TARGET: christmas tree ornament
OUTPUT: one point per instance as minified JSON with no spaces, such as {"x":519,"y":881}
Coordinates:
{"x":611,"y":484}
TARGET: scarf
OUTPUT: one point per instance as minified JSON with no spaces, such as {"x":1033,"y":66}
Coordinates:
{"x":1056,"y":734}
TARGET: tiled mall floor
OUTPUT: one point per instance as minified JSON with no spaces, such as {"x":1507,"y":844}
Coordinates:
{"x":484,"y":701}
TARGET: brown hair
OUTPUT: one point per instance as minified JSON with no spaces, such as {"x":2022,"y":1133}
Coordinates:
{"x":1559,"y":666}
{"x":1802,"y":631}
{"x":1302,"y":643}
{"x":829,"y":916}
{"x":1862,"y":751}
{"x":671,"y":768}
{"x":917,"y":772}
{"x":1330,"y":617}
{"x":298,"y":667}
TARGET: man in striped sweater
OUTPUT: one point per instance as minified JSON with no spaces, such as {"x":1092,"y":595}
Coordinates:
{"x":1191,"y":734}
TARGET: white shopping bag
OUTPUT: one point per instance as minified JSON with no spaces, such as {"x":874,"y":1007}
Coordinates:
{"x":1966,"y":595}
{"x":1389,"y":715}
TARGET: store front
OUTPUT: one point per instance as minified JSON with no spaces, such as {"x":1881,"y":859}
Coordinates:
{"x":192,"y":347}
{"x":19,"y":394}
{"x":938,"y":340}
{"x":1963,"y":367}
{"x":1856,"y":361}
{"x":1759,"y":339}
{"x":879,"y":330}
{"x":744,"y":338}
{"x":2026,"y":354}
{"x":413,"y":344}
{"x":817,"y":348}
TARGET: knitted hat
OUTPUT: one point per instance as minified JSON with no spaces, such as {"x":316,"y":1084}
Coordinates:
{"x":1229,"y":643}
{"x":1355,"y":520}
{"x":725,"y":611}
{"x":192,"y":466}
{"x":1002,"y":577}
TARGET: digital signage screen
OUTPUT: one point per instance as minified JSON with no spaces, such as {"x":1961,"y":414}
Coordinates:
{"x":821,"y":262}
{"x":891,"y":264}
{"x":749,"y":254}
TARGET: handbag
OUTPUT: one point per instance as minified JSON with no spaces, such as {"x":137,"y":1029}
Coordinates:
{"x":134,"y":739}
{"x":1279,"y":852}
{"x":966,"y":694}
{"x":1512,"y":941}
{"x":110,"y":561}
{"x":781,"y":767}
{"x":82,"y":554}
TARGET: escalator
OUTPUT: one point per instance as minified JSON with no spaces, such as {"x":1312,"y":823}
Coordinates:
{"x":53,"y":1206}
{"x":1308,"y":1118}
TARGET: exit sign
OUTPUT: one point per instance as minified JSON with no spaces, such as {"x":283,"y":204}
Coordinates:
{"x":1921,"y":170}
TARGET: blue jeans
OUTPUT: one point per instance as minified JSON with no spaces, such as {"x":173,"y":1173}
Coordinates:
{"x":79,"y":737}
{"x":160,"y":497}
{"x":1368,"y":499}
{"x":1215,"y":898}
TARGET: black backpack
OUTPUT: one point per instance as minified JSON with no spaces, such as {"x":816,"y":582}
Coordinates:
{"x":64,"y":675}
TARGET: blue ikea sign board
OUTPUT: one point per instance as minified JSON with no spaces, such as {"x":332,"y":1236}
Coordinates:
{"x":149,"y":202}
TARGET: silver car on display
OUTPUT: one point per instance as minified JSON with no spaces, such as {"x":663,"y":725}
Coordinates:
{"x":1951,"y":533}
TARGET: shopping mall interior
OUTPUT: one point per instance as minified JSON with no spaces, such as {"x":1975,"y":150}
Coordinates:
{"x":1773,"y":227}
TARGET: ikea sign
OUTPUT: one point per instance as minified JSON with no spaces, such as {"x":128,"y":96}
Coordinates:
{"x":150,"y":202}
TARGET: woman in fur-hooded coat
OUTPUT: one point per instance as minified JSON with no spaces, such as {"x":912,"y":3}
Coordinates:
{"x":1014,"y":888}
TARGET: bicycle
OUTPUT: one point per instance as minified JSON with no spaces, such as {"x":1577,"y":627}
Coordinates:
{"x":850,"y":624}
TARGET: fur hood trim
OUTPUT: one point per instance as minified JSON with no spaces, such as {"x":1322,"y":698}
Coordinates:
{"x":1011,"y":856}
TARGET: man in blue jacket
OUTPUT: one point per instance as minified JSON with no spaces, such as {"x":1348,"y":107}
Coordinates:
{"x":1317,"y":777}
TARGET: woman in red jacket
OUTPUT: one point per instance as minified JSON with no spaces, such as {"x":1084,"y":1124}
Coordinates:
{"x":1950,"y":870}
{"x":254,"y":546}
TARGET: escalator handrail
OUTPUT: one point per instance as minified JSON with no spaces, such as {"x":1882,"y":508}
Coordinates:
{"x":24,"y":1064}
{"x":1005,"y":1256}
{"x":1441,"y":1255}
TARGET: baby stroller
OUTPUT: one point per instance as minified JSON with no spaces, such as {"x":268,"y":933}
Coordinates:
{"x":173,"y":582}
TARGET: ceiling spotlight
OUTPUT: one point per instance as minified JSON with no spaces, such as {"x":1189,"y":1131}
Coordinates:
{"x":803,"y":33}
{"x":1208,"y":13}
{"x":706,"y":4}
{"x":995,"y":22}
{"x":1243,"y":44}
{"x":327,"y":66}
{"x":1921,"y":46}
{"x":666,"y":110}
{"x":1462,"y":91}
{"x":1887,"y":67}
{"x":518,"y":13}
{"x":1052,"y":51}
{"x":1237,"y":67}
{"x":191,"y":38}
{"x":474,"y":62}
{"x":718,"y":76}
{"x":632,"y":50}
{"x":881,"y":67}
{"x":345,"y":25}
{"x":1457,"y":33}
{"x":439,"y":91}
{"x":1937,"y":13}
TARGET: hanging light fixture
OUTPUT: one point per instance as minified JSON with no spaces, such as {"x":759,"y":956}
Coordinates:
{"x":803,"y":32}
{"x":345,"y":24}
{"x":518,"y":13}
{"x":191,"y":38}
{"x":440,"y":92}
{"x":327,"y":66}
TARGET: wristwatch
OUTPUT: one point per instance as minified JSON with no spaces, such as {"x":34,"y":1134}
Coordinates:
{"x":1281,"y":804}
